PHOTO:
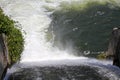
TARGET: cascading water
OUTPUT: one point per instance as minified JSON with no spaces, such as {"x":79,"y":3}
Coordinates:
{"x":35,"y":20}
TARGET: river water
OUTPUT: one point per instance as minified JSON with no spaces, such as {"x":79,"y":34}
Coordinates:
{"x":41,"y":59}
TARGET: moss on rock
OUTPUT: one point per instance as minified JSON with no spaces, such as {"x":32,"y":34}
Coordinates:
{"x":102,"y":55}
{"x":15,"y":39}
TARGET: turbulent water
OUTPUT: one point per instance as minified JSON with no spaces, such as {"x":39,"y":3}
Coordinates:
{"x":51,"y":30}
{"x":34,"y":20}
{"x":77,"y":69}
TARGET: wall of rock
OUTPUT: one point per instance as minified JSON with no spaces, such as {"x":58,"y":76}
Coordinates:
{"x":114,"y":47}
{"x":4,"y":61}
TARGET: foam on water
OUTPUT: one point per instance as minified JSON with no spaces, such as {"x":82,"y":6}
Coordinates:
{"x":34,"y":20}
{"x":106,"y":69}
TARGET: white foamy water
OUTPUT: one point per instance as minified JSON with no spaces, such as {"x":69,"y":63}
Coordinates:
{"x":34,"y":20}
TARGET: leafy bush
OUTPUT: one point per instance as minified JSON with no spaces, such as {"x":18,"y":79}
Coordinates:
{"x":14,"y":37}
{"x":102,"y":55}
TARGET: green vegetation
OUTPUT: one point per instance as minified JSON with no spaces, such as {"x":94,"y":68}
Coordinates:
{"x":14,"y":37}
{"x":102,"y":55}
{"x":87,"y":25}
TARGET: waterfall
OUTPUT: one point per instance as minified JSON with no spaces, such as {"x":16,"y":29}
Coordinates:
{"x":34,"y":19}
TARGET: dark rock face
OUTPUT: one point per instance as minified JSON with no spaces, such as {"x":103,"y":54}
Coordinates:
{"x":113,"y":42}
{"x":114,"y":47}
{"x":3,"y":56}
{"x":116,"y":60}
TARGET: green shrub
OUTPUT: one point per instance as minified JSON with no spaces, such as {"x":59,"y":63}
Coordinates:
{"x":14,"y":37}
{"x":102,"y":55}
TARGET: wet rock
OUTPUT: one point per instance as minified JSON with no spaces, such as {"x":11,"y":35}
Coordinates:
{"x":114,"y":47}
{"x":4,"y":61}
